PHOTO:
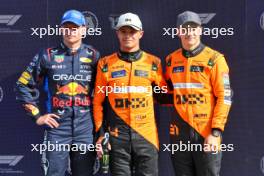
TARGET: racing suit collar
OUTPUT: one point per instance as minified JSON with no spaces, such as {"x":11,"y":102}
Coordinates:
{"x":194,"y":52}
{"x":69,"y":50}
{"x":130,"y":56}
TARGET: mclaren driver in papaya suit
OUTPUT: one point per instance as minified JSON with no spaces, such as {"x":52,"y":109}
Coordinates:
{"x":125,"y":80}
{"x":199,"y":77}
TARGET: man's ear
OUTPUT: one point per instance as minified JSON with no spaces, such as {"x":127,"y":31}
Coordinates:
{"x":141,"y":34}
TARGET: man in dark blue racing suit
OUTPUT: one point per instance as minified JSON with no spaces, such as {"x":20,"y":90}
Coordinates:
{"x":67,"y":73}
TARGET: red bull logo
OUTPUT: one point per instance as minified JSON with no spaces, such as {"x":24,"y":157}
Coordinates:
{"x":72,"y":101}
{"x":72,"y":89}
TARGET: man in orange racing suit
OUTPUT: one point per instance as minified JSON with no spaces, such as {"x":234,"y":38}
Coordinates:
{"x":202,"y":99}
{"x":126,"y":78}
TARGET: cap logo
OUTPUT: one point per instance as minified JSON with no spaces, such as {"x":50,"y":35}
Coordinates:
{"x":128,"y":19}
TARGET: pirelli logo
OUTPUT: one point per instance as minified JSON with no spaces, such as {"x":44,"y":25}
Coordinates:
{"x":190,"y":99}
{"x":134,"y":103}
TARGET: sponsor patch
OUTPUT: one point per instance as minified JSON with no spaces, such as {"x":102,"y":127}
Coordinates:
{"x":23,"y":80}
{"x":118,"y":67}
{"x":60,"y":66}
{"x":210,"y":63}
{"x":169,"y":62}
{"x":85,"y":60}
{"x":190,"y":99}
{"x":133,"y":103}
{"x":26,"y":75}
{"x":194,"y":68}
{"x":227,"y":100}
{"x":200,"y":115}
{"x":29,"y":69}
{"x":33,"y":109}
{"x":140,"y":117}
{"x":118,"y":74}
{"x":227,"y":92}
{"x":85,"y":66}
{"x":141,"y":73}
{"x":226,"y":79}
{"x":59,"y":58}
{"x":154,"y":67}
{"x":105,"y":68}
{"x":178,"y":69}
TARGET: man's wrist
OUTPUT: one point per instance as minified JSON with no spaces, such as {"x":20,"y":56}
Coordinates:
{"x":216,"y":132}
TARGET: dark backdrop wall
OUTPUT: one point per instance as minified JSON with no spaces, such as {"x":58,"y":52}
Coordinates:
{"x":244,"y":52}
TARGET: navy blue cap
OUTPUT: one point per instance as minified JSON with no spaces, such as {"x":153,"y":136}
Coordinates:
{"x":73,"y":16}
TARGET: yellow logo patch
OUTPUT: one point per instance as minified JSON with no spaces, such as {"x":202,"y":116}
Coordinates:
{"x":85,"y":60}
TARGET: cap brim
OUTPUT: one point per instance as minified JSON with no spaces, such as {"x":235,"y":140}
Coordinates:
{"x":71,"y":20}
{"x":129,"y":25}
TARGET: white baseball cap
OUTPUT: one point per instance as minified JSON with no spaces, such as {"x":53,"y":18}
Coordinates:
{"x":129,"y":19}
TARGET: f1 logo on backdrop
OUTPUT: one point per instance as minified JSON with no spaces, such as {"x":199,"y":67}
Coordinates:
{"x":113,"y":18}
{"x":8,"y":21}
{"x":10,"y":160}
{"x":262,"y":21}
{"x":206,"y":17}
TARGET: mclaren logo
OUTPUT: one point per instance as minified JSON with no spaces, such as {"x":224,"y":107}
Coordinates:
{"x":206,"y":17}
{"x":10,"y":160}
{"x":262,"y":21}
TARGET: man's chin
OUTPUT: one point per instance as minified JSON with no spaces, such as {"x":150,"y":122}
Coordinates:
{"x":128,"y":47}
{"x":71,"y":40}
{"x":191,"y":43}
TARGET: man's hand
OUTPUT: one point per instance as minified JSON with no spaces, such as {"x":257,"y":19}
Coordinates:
{"x":48,"y":119}
{"x":212,"y":143}
{"x":99,"y":148}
